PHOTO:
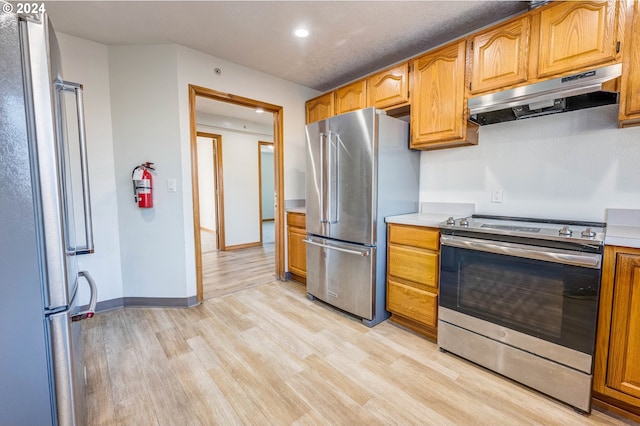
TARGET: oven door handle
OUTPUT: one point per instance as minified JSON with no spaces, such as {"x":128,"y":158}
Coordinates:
{"x":587,"y":260}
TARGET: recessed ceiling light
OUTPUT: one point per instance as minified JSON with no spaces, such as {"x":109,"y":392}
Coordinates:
{"x":301,"y":32}
{"x":259,"y":110}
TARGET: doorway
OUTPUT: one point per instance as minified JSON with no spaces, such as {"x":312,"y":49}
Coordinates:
{"x":210,"y":186}
{"x":276,"y":111}
{"x":266,"y":187}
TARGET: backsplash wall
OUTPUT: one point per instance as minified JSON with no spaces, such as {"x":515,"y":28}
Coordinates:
{"x":567,"y":166}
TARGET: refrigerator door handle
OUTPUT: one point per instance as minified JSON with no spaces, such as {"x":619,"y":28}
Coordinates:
{"x":90,"y":312}
{"x":76,"y":88}
{"x":363,"y":253}
{"x":334,"y":149}
{"x":323,"y":177}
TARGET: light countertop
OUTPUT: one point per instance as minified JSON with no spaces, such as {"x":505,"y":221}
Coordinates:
{"x":623,"y":228}
{"x":433,"y":214}
{"x":431,"y":220}
{"x":624,"y":236}
{"x":302,"y":210}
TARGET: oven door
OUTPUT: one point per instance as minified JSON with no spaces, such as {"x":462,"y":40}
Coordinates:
{"x":546,"y":293}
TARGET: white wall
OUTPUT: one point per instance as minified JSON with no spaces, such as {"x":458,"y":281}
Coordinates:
{"x":567,"y":166}
{"x":145,"y":112}
{"x":206,"y":183}
{"x":268,"y":185}
{"x":86,"y":62}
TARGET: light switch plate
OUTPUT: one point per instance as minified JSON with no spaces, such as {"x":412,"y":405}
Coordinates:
{"x":171,"y":185}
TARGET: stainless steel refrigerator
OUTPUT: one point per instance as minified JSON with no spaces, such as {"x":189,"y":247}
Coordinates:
{"x":45,"y":224}
{"x":359,"y":170}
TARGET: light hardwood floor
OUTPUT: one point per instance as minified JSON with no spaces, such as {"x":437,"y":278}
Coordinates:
{"x":267,"y":355}
{"x":225,"y":272}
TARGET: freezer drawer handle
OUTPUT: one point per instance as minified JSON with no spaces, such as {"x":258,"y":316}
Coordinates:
{"x":313,"y":243}
{"x":89,"y":313}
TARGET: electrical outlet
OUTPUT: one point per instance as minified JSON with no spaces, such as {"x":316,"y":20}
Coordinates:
{"x":496,"y":195}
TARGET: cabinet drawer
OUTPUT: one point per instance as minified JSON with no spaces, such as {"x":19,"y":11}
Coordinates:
{"x":418,"y":305}
{"x":417,"y":265}
{"x":296,"y":219}
{"x":416,"y":236}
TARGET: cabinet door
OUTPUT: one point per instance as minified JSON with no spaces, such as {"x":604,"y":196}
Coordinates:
{"x":415,"y":265}
{"x":320,"y":108}
{"x":413,"y":303}
{"x":415,"y":236}
{"x":438,"y":106}
{"x":574,"y":35}
{"x":500,"y":56}
{"x":351,"y":98}
{"x":297,"y":252}
{"x":624,"y":344}
{"x":390,"y":87}
{"x":630,"y":90}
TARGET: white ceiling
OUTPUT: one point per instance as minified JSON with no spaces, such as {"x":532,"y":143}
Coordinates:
{"x":348,"y":38}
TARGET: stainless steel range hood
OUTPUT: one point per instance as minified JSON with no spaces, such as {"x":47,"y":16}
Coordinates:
{"x":563,"y":94}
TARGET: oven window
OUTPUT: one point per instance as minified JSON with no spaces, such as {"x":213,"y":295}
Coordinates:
{"x":551,"y":301}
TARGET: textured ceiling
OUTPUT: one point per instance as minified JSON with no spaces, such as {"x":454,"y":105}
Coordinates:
{"x":349,"y":38}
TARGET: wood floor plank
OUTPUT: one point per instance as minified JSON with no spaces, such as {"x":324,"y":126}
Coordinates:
{"x":132,"y":402}
{"x":245,"y":408}
{"x":100,"y":406}
{"x":207,"y":403}
{"x":173,"y":342}
{"x":205,"y":353}
{"x":331,"y":403}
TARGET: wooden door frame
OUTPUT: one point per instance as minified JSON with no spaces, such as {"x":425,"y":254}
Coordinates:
{"x":218,"y":197}
{"x":278,"y":160}
{"x":260,"y":145}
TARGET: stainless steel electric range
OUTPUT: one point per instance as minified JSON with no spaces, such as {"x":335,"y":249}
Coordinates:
{"x":519,"y":296}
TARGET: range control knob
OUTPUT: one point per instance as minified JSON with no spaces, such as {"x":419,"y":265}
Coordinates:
{"x":588,"y":233}
{"x":451,"y":221}
{"x":464,"y":221}
{"x":565,"y":231}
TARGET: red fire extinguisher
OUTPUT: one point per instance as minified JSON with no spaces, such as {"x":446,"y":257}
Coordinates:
{"x":143,"y":185}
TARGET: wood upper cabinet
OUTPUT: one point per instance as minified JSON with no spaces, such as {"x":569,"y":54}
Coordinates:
{"x":575,"y":35}
{"x":319,"y":108}
{"x":390,"y":87}
{"x":617,"y":362}
{"x":500,"y":56}
{"x":630,"y":87}
{"x":297,"y":251}
{"x":412,"y":277}
{"x":439,"y":104}
{"x":352,"y":97}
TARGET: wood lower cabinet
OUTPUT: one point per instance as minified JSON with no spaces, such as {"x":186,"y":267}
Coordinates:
{"x":617,"y":360}
{"x":439,"y":104}
{"x":576,"y":35}
{"x":630,"y":88}
{"x":297,"y":250}
{"x":319,"y":108}
{"x":413,"y":259}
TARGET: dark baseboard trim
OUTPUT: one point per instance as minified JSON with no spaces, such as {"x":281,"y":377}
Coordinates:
{"x":145,"y":302}
{"x":108,"y":305}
